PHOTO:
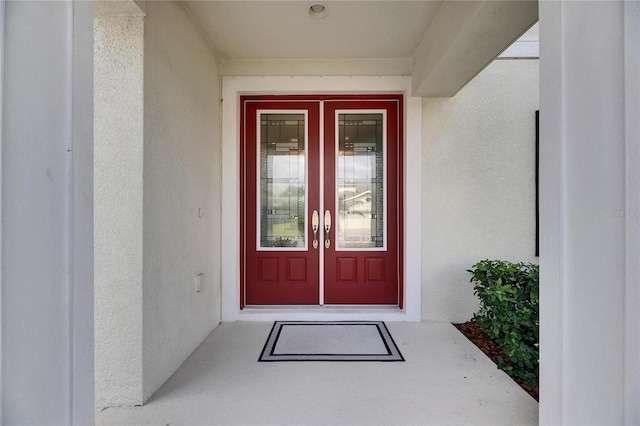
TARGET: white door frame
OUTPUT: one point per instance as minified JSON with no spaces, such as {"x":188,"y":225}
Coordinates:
{"x":232,"y":88}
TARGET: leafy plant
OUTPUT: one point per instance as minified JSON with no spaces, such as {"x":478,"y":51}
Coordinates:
{"x":508,"y":313}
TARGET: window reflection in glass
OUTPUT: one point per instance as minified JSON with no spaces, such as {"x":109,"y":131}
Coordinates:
{"x":360,"y":181}
{"x":282,"y":165}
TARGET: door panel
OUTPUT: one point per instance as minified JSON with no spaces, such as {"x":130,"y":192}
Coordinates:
{"x":356,"y":209}
{"x":361,"y":141}
{"x":281,"y":189}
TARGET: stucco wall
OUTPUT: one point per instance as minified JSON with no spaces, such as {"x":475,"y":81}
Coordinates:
{"x":181,"y":176}
{"x":118,"y":105}
{"x":478,"y":183}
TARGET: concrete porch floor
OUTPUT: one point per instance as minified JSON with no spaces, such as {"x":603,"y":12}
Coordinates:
{"x":444,"y":380}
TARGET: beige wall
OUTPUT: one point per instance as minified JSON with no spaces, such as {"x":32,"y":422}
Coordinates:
{"x":478,"y":187}
{"x":181,"y":176}
{"x":157,"y":166}
{"x":118,"y":186}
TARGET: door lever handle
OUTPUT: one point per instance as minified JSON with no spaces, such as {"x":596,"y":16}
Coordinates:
{"x":314,"y":226}
{"x":327,"y":228}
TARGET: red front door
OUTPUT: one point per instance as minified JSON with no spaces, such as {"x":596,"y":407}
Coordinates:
{"x":321,"y":201}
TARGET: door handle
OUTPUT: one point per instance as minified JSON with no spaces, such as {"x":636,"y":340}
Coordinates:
{"x":327,"y":228}
{"x":314,"y":225}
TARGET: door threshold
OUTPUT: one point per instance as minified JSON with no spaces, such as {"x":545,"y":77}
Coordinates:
{"x":322,"y":307}
{"x":322,"y":313}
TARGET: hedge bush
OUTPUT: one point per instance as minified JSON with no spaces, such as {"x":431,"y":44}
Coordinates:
{"x":508,"y":312}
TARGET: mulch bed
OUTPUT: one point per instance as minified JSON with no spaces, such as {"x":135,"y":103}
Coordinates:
{"x":478,"y":337}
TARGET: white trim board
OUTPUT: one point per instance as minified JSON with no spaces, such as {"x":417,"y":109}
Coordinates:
{"x":632,"y":208}
{"x":2,"y":30}
{"x":232,"y":89}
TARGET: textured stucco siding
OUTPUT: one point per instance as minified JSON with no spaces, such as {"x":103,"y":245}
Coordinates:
{"x":156,"y":167}
{"x":181,"y":176}
{"x":478,"y":183}
{"x":118,"y":105}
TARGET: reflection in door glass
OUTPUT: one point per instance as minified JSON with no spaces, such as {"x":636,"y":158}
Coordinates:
{"x":360,"y":181}
{"x":281,"y":195}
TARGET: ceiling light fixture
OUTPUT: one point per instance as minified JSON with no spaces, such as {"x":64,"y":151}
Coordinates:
{"x":318,"y":10}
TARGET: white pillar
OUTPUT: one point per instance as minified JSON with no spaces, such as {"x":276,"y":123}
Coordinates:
{"x":119,"y":140}
{"x":590,"y":212}
{"x":46,"y":192}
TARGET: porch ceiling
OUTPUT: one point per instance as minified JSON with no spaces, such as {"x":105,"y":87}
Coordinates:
{"x":284,"y":29}
{"x":445,"y":42}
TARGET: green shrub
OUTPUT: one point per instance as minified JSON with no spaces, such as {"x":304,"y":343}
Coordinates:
{"x":508,"y":312}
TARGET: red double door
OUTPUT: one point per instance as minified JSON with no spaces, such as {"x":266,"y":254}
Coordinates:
{"x":321,"y":200}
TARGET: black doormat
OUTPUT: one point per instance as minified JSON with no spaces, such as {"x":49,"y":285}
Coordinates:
{"x":330,"y":341}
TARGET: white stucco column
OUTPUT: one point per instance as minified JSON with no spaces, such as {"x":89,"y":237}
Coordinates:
{"x":590,"y":212}
{"x":119,"y":141}
{"x":46,"y":279}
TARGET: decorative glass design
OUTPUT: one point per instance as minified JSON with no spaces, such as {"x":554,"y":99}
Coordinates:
{"x":282,"y":180}
{"x":360,"y":181}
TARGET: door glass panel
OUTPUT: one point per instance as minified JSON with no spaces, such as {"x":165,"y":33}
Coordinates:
{"x":360,"y":181}
{"x":282,"y":180}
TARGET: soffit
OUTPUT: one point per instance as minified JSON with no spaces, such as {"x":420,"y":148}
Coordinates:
{"x":284,"y":30}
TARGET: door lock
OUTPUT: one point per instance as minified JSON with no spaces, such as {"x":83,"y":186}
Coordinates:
{"x":327,"y":228}
{"x":314,"y":225}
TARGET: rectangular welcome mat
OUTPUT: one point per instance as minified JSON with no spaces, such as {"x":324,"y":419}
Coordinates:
{"x":330,"y":341}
